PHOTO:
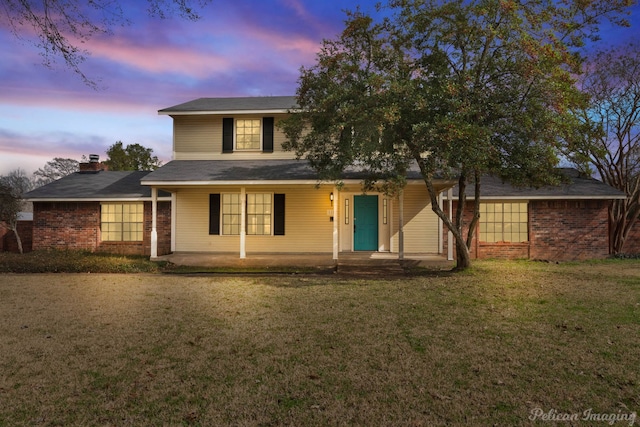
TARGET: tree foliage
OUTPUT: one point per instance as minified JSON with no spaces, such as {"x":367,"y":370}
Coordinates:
{"x":61,"y":27}
{"x":133,"y":157}
{"x":458,"y":88}
{"x":55,"y":169}
{"x":18,"y":181}
{"x":609,"y":139}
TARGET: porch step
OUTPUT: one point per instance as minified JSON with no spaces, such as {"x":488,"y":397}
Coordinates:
{"x":370,"y":267}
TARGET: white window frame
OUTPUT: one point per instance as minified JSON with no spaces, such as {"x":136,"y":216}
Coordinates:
{"x":122,"y":231}
{"x":239,"y":214}
{"x":235,"y":134}
{"x":503,"y":222}
{"x":222,"y":214}
{"x":271,"y":217}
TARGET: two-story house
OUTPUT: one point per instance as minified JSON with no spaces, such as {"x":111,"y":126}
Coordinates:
{"x":232,"y":189}
{"x":235,"y":190}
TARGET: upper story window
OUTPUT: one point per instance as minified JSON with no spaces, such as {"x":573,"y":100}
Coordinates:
{"x":250,"y":134}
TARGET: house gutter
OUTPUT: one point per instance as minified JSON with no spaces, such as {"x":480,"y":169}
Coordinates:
{"x":93,"y":199}
{"x":445,"y":184}
{"x":221,"y":112}
{"x":484,"y":198}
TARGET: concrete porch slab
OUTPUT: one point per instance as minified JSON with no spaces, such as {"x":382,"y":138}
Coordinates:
{"x":346,"y":260}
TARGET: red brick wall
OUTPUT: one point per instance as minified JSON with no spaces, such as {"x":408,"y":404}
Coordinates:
{"x":76,"y":226}
{"x":569,"y":229}
{"x":66,"y":225}
{"x":560,"y":230}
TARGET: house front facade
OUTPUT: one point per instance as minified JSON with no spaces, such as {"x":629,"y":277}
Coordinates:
{"x":235,"y":190}
{"x":232,"y":189}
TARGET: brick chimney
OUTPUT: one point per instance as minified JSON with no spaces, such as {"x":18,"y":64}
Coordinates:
{"x":94,"y":164}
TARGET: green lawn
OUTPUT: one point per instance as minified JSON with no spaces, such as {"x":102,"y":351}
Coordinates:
{"x":487,"y":347}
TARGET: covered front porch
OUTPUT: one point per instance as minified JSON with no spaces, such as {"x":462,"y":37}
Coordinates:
{"x":274,"y":207}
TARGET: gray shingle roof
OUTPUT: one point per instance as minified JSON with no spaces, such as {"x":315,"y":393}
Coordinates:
{"x":220,"y":105}
{"x":94,"y":186}
{"x":577,"y":187}
{"x":131,"y":185}
{"x":242,"y":170}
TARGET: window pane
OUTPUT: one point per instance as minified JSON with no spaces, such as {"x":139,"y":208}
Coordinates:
{"x":248,"y":134}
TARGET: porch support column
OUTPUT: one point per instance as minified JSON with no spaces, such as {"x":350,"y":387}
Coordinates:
{"x":440,"y":238}
{"x":154,"y":221}
{"x":243,"y":223}
{"x":336,"y":221}
{"x":174,"y":217}
{"x":401,"y":225}
{"x":450,"y":234}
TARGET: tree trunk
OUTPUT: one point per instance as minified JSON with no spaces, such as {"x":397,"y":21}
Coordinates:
{"x":476,"y":211}
{"x":623,"y":215}
{"x":19,"y":241}
{"x":463,"y":256}
{"x":14,"y":228}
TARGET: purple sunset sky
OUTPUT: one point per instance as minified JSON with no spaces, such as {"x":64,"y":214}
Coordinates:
{"x":238,"y":48}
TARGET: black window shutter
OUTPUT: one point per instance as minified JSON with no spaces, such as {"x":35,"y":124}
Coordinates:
{"x":278,"y":214}
{"x":214,"y":214}
{"x":267,"y":134}
{"x":227,"y":135}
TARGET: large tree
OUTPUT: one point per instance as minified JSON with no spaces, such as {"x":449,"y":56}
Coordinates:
{"x":59,"y":28}
{"x":55,"y":169}
{"x":460,"y":88}
{"x":610,"y":137}
{"x":133,"y":157}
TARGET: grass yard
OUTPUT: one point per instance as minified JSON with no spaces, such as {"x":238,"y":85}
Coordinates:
{"x":488,"y":347}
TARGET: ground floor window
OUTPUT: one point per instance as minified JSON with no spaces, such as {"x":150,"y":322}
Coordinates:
{"x":259,"y":214}
{"x":122,"y":222}
{"x":264,"y":214}
{"x":231,"y":211}
{"x":504,"y":222}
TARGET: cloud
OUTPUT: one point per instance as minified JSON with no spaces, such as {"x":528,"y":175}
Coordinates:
{"x":158,"y":59}
{"x":31,"y":150}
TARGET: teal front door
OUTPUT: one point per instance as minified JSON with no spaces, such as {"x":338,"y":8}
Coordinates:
{"x":365,"y":223}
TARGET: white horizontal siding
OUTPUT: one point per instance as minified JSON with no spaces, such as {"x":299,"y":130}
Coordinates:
{"x":420,"y":222}
{"x":307,"y":225}
{"x":199,"y":137}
